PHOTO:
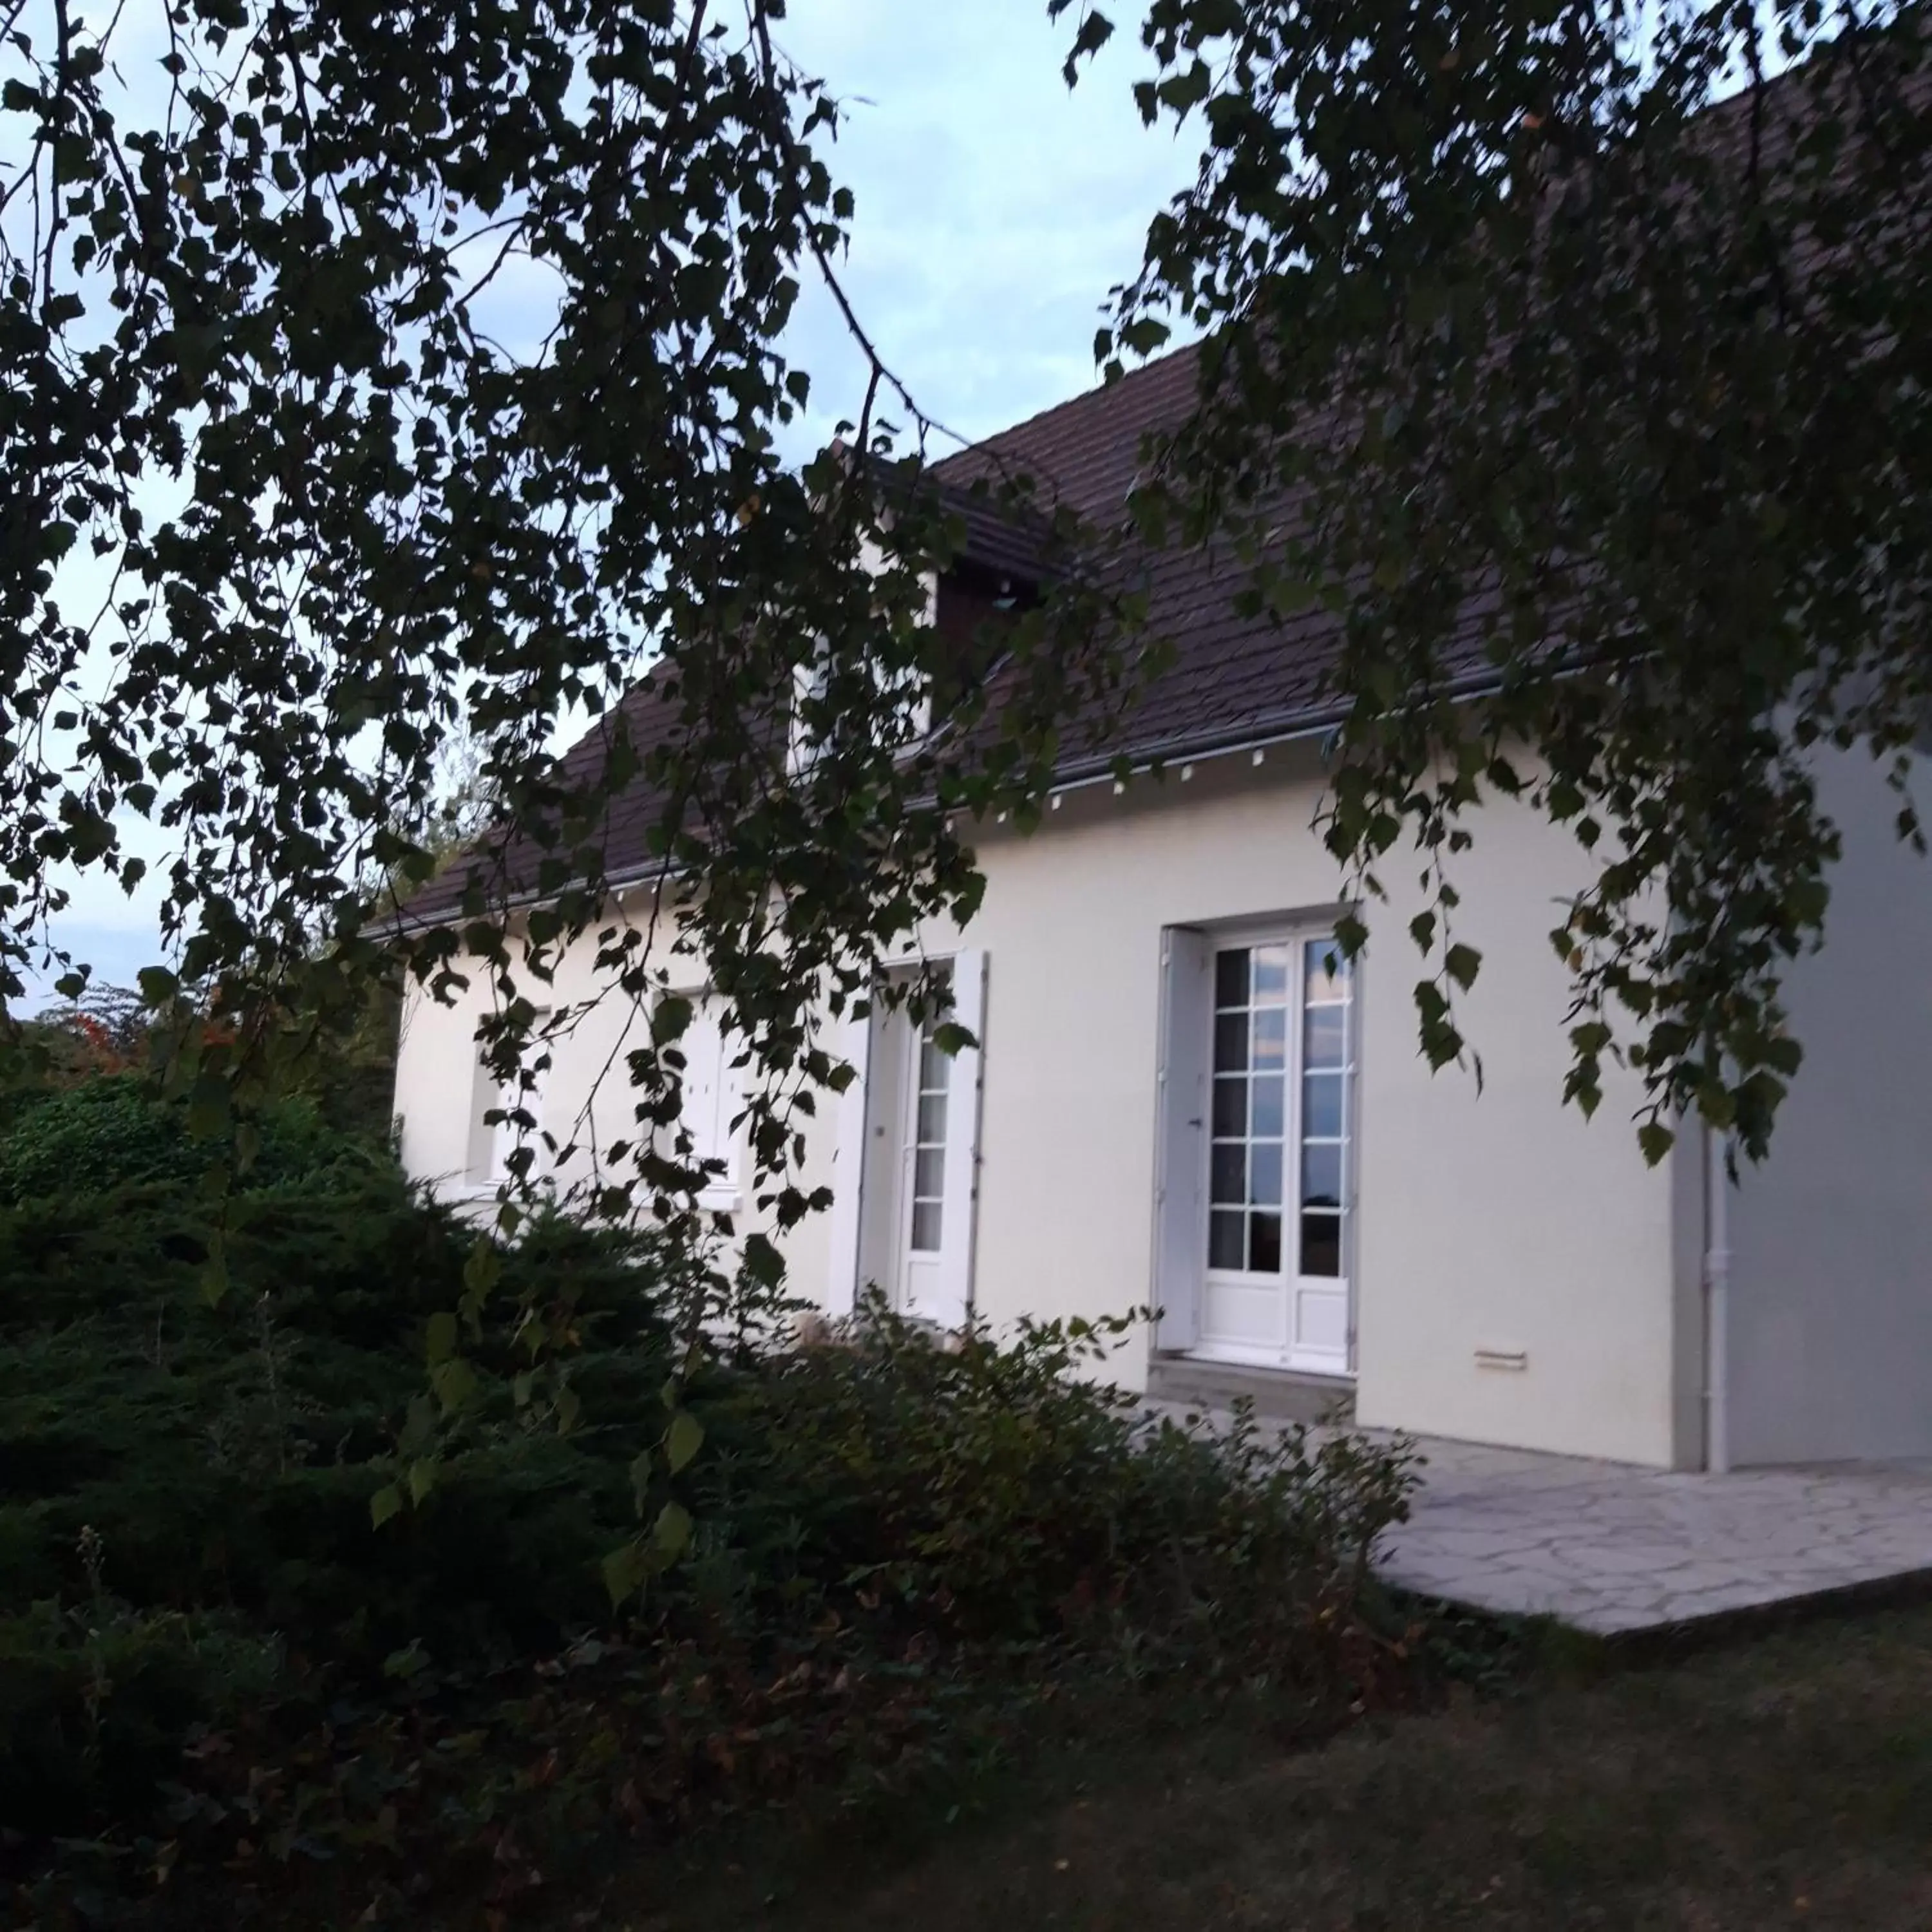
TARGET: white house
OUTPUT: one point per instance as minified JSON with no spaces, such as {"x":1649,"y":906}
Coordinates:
{"x":1180,"y":1099}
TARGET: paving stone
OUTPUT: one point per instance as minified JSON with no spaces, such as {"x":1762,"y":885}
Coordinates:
{"x":1613,"y":1548}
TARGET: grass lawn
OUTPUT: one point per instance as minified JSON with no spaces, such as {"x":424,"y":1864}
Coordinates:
{"x":1783,"y":1781}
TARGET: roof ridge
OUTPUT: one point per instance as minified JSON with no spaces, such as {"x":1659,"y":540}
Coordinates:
{"x":985,"y":444}
{"x":1713,"y":118}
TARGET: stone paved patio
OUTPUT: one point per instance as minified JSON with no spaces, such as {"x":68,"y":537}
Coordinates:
{"x":1612,"y":1549}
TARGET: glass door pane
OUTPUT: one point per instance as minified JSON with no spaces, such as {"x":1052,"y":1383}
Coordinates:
{"x":1245,"y":1157}
{"x":934,"y":1074}
{"x":1325,"y":1069}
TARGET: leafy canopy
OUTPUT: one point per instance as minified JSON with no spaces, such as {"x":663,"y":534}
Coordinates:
{"x":300,"y":496}
{"x":1600,"y":415}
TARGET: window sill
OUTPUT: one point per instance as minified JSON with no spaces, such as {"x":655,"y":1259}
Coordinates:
{"x":487,"y":1190}
{"x":468,"y":1193}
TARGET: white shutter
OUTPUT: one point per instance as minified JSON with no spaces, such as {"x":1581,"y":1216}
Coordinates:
{"x":701,"y":1046}
{"x":952,"y":1299}
{"x":1180,"y":1219}
{"x":506,"y":1137}
{"x":713,"y":1093}
{"x":848,"y":1171}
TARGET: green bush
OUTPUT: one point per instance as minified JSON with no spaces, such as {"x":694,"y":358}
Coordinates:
{"x":993,"y":1493}
{"x":95,"y":1702}
{"x":72,"y":1142}
{"x":222,"y":1458}
{"x":901,"y":1553}
{"x":83,"y":1139}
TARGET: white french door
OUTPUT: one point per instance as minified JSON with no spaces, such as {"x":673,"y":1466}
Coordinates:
{"x":1278,"y":1152}
{"x":905,"y":1181}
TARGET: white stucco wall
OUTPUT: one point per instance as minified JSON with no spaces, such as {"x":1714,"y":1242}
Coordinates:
{"x":587,"y":1102}
{"x":1500,"y":1221}
{"x":437,"y":1074}
{"x":1830,"y":1300}
{"x":435,"y":1087}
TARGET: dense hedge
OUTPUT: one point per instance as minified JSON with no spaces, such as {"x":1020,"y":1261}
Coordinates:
{"x":75,"y":1141}
{"x":216,"y":1668}
{"x":193,"y":1463}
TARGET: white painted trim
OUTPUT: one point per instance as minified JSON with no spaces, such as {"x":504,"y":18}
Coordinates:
{"x":848,"y":1168}
{"x":1352,"y":1219}
{"x":959,"y":1218}
{"x":1234,"y":1356}
{"x":1180,"y":1128}
{"x":1717,"y":1304}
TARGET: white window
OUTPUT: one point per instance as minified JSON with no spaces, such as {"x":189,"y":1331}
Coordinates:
{"x":714,"y":1091}
{"x":905,"y":1175}
{"x":492,"y":1143}
{"x":910,"y":689}
{"x":912,"y":722}
{"x":807,"y":689}
{"x":931,"y":1076}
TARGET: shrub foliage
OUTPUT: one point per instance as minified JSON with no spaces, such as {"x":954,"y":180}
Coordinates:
{"x":219,"y":1672}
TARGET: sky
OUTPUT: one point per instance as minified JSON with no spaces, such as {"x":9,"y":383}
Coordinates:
{"x":994,"y":210}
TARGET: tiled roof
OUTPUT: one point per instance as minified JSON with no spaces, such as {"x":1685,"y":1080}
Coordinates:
{"x":1083,"y":454}
{"x":509,"y":868}
{"x":1232,"y":679}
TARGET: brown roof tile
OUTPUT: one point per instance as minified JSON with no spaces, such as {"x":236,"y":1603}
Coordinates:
{"x":1230,"y":677}
{"x":1233,"y":679}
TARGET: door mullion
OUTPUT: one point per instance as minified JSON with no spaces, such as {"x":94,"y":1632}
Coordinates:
{"x":1291,"y":1122}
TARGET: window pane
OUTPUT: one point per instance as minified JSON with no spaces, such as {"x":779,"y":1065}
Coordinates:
{"x":1230,"y":978}
{"x":929,"y":1174}
{"x":1322,"y":1105}
{"x":1226,"y":1241}
{"x":1230,"y":1108}
{"x":1270,"y":1037}
{"x":1327,"y":1029}
{"x":1231,"y":1043}
{"x":1270,"y":973}
{"x":934,"y":1068}
{"x":1264,"y":1244}
{"x":932,"y":1119}
{"x":1322,"y":1244}
{"x":1265,"y":1174}
{"x":925,"y":1227}
{"x":1321,"y":1174}
{"x":1230,"y":1173}
{"x":1267,"y":1103}
{"x":1327,"y":971}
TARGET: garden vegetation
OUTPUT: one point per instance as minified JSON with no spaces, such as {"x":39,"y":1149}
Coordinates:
{"x":226,"y":1691}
